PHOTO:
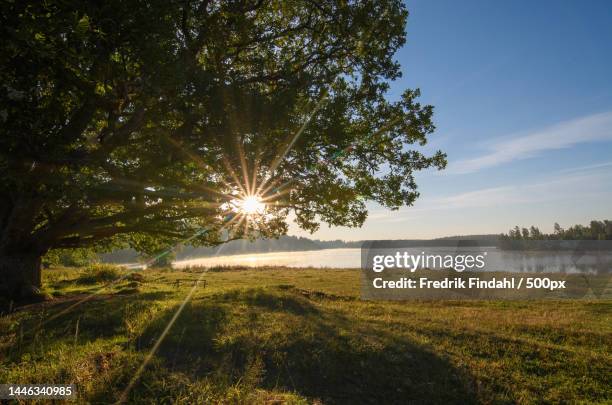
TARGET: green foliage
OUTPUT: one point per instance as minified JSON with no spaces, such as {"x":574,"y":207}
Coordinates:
{"x":99,"y":273}
{"x":138,"y":123}
{"x":163,"y":259}
{"x":70,"y":257}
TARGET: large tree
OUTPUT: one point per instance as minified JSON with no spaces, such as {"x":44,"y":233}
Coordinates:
{"x":145,"y":121}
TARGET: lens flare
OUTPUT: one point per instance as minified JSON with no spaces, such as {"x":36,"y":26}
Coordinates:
{"x":252,"y":205}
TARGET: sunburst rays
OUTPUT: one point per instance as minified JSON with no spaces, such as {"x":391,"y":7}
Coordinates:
{"x":246,"y":205}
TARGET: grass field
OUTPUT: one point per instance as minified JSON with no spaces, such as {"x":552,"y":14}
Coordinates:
{"x":300,"y":336}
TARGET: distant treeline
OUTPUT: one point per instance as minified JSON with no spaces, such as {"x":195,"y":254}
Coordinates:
{"x":482,"y":238}
{"x":596,"y":230}
{"x":282,"y":244}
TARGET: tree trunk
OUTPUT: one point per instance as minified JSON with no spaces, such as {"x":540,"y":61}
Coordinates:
{"x":20,"y":276}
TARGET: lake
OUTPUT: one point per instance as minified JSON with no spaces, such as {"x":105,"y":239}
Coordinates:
{"x":496,"y":260}
{"x":338,"y":258}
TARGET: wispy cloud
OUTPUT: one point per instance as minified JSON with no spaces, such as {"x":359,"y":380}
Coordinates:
{"x":553,"y":189}
{"x":587,"y":167}
{"x":592,"y":128}
{"x":582,"y":186}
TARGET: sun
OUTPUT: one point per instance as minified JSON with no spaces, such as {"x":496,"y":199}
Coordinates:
{"x":251,"y":205}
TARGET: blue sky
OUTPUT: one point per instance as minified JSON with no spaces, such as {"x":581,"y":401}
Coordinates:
{"x":523,"y":107}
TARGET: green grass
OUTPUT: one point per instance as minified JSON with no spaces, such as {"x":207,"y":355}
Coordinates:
{"x":303,"y":336}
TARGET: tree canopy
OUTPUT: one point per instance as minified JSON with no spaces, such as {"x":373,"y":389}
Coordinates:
{"x":142,"y":121}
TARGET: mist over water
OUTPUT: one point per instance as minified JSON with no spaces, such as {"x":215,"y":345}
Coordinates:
{"x":496,"y":260}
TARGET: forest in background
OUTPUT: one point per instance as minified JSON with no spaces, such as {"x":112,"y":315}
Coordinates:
{"x":596,"y":230}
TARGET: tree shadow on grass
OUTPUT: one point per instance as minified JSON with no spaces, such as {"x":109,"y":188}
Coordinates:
{"x":80,"y":319}
{"x":192,"y":338}
{"x":275,"y":301}
{"x":305,"y":347}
